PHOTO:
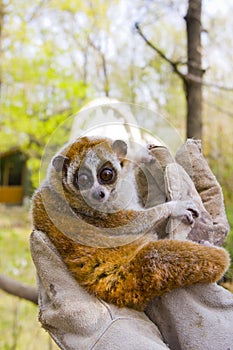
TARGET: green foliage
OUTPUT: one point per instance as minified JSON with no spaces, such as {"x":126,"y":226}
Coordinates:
{"x":218,"y":148}
{"x":39,"y":92}
{"x":229,"y":241}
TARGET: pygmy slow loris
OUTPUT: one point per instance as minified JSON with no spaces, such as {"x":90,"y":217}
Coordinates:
{"x":89,"y":209}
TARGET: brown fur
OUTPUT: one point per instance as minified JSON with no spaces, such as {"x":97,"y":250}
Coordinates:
{"x":131,"y":274}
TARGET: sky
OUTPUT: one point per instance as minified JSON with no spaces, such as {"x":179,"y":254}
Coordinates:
{"x":217,"y":6}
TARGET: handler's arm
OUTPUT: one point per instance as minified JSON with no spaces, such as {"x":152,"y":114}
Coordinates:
{"x":201,"y":316}
{"x":79,"y":321}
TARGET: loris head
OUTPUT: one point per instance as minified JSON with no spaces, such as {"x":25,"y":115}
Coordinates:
{"x":93,"y":173}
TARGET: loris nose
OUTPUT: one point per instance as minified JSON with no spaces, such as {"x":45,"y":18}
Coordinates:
{"x":98,"y":194}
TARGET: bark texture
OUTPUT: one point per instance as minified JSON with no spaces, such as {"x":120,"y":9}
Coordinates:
{"x":193,"y":81}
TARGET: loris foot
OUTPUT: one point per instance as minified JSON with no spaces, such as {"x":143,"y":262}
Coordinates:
{"x":185,"y":209}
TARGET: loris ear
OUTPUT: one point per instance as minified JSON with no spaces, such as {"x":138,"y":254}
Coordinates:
{"x":59,"y":161}
{"x":120,"y":148}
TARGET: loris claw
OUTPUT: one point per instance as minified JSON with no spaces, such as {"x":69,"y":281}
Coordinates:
{"x":88,"y":207}
{"x":186,"y":210}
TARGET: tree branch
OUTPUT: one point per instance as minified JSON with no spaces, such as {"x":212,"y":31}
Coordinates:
{"x":218,"y":108}
{"x":104,"y":66}
{"x":217,"y":86}
{"x":36,"y":10}
{"x":176,"y":64}
{"x":18,"y":289}
{"x":173,"y":64}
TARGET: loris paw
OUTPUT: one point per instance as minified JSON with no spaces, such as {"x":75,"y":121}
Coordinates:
{"x":206,"y":243}
{"x":186,"y":210}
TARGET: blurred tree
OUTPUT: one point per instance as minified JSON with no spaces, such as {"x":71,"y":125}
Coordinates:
{"x":39,"y":91}
{"x":192,"y":80}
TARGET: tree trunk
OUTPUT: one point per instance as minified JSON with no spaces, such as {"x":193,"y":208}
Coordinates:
{"x":18,"y":289}
{"x":193,"y":81}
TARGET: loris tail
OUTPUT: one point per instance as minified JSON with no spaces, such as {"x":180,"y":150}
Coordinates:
{"x":132,"y":275}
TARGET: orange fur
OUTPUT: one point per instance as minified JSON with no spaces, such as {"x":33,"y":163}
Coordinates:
{"x":132,"y":274}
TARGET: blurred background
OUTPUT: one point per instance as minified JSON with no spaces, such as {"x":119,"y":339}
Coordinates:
{"x":172,"y":56}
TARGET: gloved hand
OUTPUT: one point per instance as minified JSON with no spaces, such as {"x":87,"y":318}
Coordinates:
{"x":77,"y":320}
{"x":200,"y":316}
{"x":197,"y":317}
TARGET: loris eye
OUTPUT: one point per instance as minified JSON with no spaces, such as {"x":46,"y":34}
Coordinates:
{"x":84,"y":181}
{"x":107,"y":175}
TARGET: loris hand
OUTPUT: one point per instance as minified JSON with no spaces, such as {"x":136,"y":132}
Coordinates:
{"x":185,"y":209}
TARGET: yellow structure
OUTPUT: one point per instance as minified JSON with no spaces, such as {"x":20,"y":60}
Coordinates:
{"x":12,"y":176}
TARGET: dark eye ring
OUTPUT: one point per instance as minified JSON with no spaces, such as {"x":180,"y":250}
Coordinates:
{"x":83,"y":181}
{"x":107,"y":175}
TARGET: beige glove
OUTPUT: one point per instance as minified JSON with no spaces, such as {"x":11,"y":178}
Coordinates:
{"x":197,"y":317}
{"x":79,"y":321}
{"x":212,"y":226}
{"x":201,"y":316}
{"x":184,"y":178}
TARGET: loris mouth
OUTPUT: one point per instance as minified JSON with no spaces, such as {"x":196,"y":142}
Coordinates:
{"x":113,"y":194}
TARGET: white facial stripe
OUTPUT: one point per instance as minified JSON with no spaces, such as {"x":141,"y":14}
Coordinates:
{"x":92,"y":161}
